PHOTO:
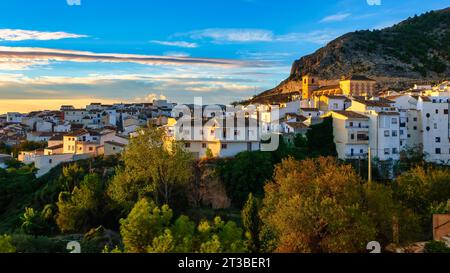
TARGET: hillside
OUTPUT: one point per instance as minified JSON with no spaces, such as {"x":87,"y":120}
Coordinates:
{"x":415,"y":50}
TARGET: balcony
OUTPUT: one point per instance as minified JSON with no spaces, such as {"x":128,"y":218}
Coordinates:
{"x":359,"y":139}
{"x":356,"y":155}
{"x":357,"y":127}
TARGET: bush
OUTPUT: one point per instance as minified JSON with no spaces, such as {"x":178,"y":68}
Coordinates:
{"x":436,"y":247}
{"x":6,"y":245}
{"x":41,"y":244}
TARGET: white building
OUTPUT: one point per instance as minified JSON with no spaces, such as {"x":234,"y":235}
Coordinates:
{"x":44,"y":126}
{"x":434,"y":121}
{"x":14,"y":117}
{"x":218,"y":137}
{"x":384,"y":127}
{"x":351,"y":134}
{"x":39,"y":136}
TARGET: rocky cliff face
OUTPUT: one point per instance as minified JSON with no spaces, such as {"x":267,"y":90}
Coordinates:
{"x":415,"y":50}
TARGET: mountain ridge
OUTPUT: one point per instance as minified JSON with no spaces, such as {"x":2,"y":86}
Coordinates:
{"x":416,"y":50}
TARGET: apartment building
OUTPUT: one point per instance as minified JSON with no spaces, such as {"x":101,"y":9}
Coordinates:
{"x":384,"y":127}
{"x":434,"y":125}
{"x":219,"y":137}
{"x":351,"y":134}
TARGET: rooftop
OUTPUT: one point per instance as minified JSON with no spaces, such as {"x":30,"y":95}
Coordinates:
{"x":115,"y":143}
{"x":350,"y":114}
{"x":297,"y":125}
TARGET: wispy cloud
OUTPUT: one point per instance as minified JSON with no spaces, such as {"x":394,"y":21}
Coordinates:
{"x":335,"y":17}
{"x":319,"y":37}
{"x":247,"y":35}
{"x":19,"y":58}
{"x":220,"y":35}
{"x":23,"y":35}
{"x":176,"y":43}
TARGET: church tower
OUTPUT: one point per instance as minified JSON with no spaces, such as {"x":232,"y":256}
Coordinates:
{"x":309,"y":84}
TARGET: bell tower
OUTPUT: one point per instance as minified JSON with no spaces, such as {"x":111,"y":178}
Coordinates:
{"x":309,"y":84}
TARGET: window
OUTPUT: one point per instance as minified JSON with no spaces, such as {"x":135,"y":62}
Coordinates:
{"x":352,"y":136}
{"x":394,"y":121}
{"x":187,"y":145}
{"x":438,"y":140}
{"x":50,"y":161}
{"x":394,"y":133}
{"x":351,"y":124}
{"x":415,"y":119}
{"x":224,"y":146}
{"x":402,"y":132}
{"x":428,"y":115}
{"x":435,"y":126}
{"x":203,"y":145}
{"x":437,"y":111}
{"x":445,"y":111}
{"x":386,"y":151}
{"x":428,"y":128}
{"x":415,"y":128}
{"x":394,"y":151}
{"x":386,"y":133}
{"x":438,"y":151}
{"x":361,"y":151}
{"x":91,"y":149}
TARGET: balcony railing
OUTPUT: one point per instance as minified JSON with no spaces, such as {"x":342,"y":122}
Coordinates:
{"x":361,"y":155}
{"x":357,"y":127}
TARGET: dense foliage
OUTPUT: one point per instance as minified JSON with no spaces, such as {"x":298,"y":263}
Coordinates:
{"x":292,"y":200}
{"x":149,"y":228}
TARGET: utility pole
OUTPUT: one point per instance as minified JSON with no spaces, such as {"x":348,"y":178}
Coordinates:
{"x":370,"y":166}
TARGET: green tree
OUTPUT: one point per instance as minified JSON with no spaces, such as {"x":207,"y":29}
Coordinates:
{"x":421,"y":189}
{"x":153,"y":165}
{"x":252,"y":223}
{"x":149,"y":228}
{"x":244,"y":174}
{"x":71,"y":176}
{"x":79,"y":210}
{"x":144,"y":223}
{"x":321,"y":140}
{"x":315,"y":206}
{"x":31,"y":221}
{"x":6,"y":245}
{"x":388,"y":215}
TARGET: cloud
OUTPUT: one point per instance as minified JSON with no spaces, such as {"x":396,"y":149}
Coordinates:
{"x":335,"y":17}
{"x":231,"y":35}
{"x":176,"y":44}
{"x":247,"y":35}
{"x":152,"y":97}
{"x":176,"y":54}
{"x":20,"y":58}
{"x":319,"y":37}
{"x":23,"y":35}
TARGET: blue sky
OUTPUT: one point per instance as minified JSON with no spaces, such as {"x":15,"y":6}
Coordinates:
{"x":135,"y":50}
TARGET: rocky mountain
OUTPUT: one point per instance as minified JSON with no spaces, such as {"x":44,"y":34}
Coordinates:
{"x":415,"y":50}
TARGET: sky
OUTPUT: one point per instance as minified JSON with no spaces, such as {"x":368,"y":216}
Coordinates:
{"x":55,"y":52}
